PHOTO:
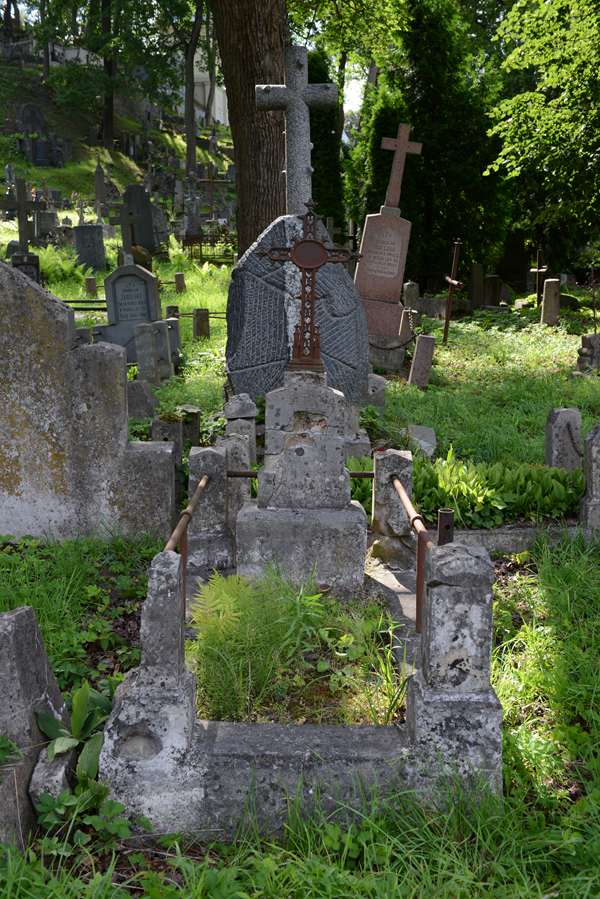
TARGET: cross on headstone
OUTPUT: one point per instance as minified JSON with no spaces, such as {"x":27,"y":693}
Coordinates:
{"x":308,"y":254}
{"x":23,"y":206}
{"x":296,"y":97}
{"x":401,"y":145}
{"x":211,"y":183}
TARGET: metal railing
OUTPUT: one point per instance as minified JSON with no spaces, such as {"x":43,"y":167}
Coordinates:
{"x":179,"y":537}
{"x":445,"y":535}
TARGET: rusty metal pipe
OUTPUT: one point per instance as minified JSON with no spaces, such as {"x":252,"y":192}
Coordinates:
{"x":186,"y":516}
{"x":445,"y":526}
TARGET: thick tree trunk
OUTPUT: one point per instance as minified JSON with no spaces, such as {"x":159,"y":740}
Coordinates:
{"x":191,"y":130}
{"x":250,"y":34}
{"x":108,"y":111}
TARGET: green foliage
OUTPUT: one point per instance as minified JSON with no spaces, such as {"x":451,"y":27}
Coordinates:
{"x":89,"y":711}
{"x":362,"y":488}
{"x":60,"y":266}
{"x":9,"y":751}
{"x":264,"y":648}
{"x":549,"y":123}
{"x":325,"y":130}
{"x":486,"y":496}
{"x":77,"y":86}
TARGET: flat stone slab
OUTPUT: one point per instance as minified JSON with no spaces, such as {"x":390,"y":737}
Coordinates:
{"x":263,"y":310}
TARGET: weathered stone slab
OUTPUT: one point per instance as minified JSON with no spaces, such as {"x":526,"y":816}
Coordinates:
{"x":132,"y":298}
{"x":380,"y":270}
{"x":28,"y":686}
{"x":141,"y":402}
{"x":589,"y":353}
{"x":89,"y":246}
{"x":590,"y":506}
{"x":563,"y":439}
{"x":263,"y":310}
{"x":66,"y":467}
{"x":422,"y":361}
{"x":551,"y":302}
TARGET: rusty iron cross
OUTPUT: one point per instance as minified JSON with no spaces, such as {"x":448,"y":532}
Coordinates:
{"x":401,"y":145}
{"x":308,"y":254}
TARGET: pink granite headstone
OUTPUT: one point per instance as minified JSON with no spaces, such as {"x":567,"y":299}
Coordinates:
{"x":380,"y":271}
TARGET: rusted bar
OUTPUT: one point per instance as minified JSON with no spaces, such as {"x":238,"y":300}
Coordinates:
{"x":445,"y":526}
{"x":452,"y":283}
{"x":91,"y":287}
{"x":247,"y":473}
{"x":186,"y":516}
{"x":172,"y":312}
{"x":423,"y":544}
{"x":86,"y":308}
{"x":179,"y":282}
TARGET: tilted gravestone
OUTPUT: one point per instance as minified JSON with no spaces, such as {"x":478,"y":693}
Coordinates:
{"x":263,"y":310}
{"x":563,"y":439}
{"x":89,"y":246}
{"x":28,"y":687}
{"x":66,"y":467}
{"x":131,"y":299}
{"x":135,"y":218}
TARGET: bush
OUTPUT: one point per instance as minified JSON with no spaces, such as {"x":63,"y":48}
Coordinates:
{"x":77,"y":86}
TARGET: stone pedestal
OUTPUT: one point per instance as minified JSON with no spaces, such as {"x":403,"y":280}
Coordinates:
{"x":551,"y":302}
{"x":563,"y":439}
{"x":240,"y":412}
{"x":589,"y":353}
{"x":590,"y":506}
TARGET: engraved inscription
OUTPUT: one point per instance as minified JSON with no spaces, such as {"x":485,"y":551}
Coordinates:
{"x":131,"y":296}
{"x":382,"y":254}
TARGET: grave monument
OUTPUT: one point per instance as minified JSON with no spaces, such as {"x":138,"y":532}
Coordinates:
{"x":66,"y":467}
{"x":263,"y":308}
{"x":380,"y":270}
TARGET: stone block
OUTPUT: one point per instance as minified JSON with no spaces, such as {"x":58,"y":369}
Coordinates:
{"x":307,"y":403}
{"x":240,"y":406}
{"x":169,"y":432}
{"x":457,"y":623}
{"x":28,"y":686}
{"x":563,"y":439}
{"x":89,"y":246}
{"x":141,"y":402}
{"x":308,"y":473}
{"x":590,"y":506}
{"x":328,"y":542}
{"x":246,"y":427}
{"x":422,"y":361}
{"x":410,"y":293}
{"x":589,"y":353}
{"x":389,"y":517}
{"x":211,"y":543}
{"x":424,"y":439}
{"x":237,"y":456}
{"x":551,"y":302}
{"x":263,"y":310}
{"x":376,"y":394}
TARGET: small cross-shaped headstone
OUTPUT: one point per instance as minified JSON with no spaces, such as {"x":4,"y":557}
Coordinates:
{"x":24,"y":206}
{"x":296,"y":97}
{"x":401,"y":145}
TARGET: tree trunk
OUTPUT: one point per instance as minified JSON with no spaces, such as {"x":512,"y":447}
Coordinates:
{"x":250,"y":34}
{"x":108,"y":111}
{"x":211,"y":65}
{"x":191,"y":129}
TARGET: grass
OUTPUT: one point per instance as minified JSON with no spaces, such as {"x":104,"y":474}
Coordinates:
{"x":542,"y":840}
{"x":265,"y":651}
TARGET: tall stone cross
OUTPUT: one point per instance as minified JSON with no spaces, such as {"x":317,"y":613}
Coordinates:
{"x":23,"y":206}
{"x":309,"y":254}
{"x":401,"y":146}
{"x":296,"y":97}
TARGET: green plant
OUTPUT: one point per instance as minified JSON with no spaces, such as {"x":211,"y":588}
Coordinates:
{"x":89,"y":711}
{"x":9,"y":751}
{"x":361,"y":488}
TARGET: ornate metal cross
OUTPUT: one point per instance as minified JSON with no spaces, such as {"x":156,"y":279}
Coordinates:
{"x":308,"y":254}
{"x":296,"y":97}
{"x":401,"y":146}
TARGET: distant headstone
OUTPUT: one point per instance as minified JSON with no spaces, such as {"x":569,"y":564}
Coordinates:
{"x":551,"y":302}
{"x":141,"y":402}
{"x":135,"y":219}
{"x":422,"y":361}
{"x":263,"y":310}
{"x":28,"y":264}
{"x":410,"y":294}
{"x":563,"y":439}
{"x":66,"y":467}
{"x":589,"y":353}
{"x":491,"y":289}
{"x":89,"y":246}
{"x":160,"y":226}
{"x":44,"y":222}
{"x":131,"y":298}
{"x":153,"y":352}
{"x":477,"y":286}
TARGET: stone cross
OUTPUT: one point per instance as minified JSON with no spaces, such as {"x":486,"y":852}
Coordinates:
{"x":308,"y":254}
{"x":401,"y":146}
{"x":24,"y":206}
{"x":99,"y":185}
{"x":296,"y":97}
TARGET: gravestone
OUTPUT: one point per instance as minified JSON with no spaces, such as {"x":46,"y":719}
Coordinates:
{"x":134,"y":215}
{"x":28,"y":264}
{"x":153,"y":352}
{"x":422,"y":361}
{"x":161,"y":227}
{"x":89,"y":246}
{"x":492,"y":284}
{"x":131,"y":299}
{"x":66,"y":467}
{"x":589,"y":353}
{"x":296,"y":97}
{"x":28,"y":687}
{"x":563,"y":439}
{"x":380,"y":270}
{"x":590,"y":506}
{"x":263,"y":310}
{"x":551,"y":302}
{"x":141,"y":402}
{"x":304,"y":521}
{"x":44,"y":222}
